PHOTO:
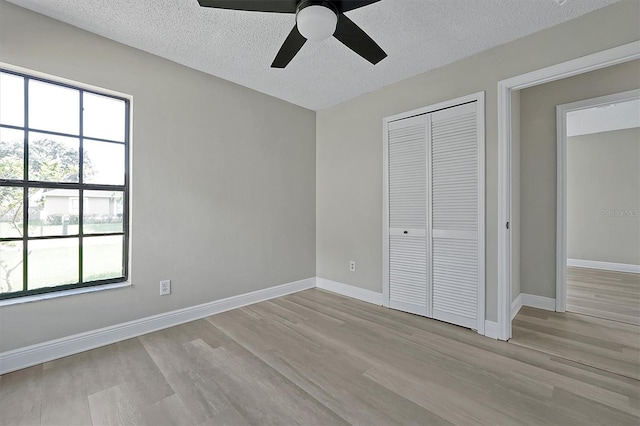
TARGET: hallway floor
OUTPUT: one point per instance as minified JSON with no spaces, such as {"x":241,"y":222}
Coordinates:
{"x":604,"y":294}
{"x":596,"y":343}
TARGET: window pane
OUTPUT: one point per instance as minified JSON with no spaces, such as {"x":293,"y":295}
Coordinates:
{"x":53,"y":158}
{"x":54,"y":108}
{"x":53,"y":212}
{"x":103,"y":117}
{"x":102,"y":258}
{"x":103,"y":211}
{"x":52,"y":262}
{"x":11,"y":217}
{"x":10,"y":266}
{"x":11,"y":154}
{"x":11,"y":100}
{"x":49,"y":159}
{"x":103,"y":163}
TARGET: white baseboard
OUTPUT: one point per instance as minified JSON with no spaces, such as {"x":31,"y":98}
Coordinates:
{"x":540,"y":302}
{"x":607,"y":266}
{"x":491,"y":329}
{"x":350,"y":291}
{"x":516,"y":305}
{"x":58,"y":348}
{"x":42,"y":352}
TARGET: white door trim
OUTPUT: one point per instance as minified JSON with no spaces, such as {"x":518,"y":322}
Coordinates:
{"x":606,"y":58}
{"x":385,"y":212}
{"x":478,"y":97}
{"x":561,"y":203}
{"x":429,"y":216}
{"x":435,"y":107}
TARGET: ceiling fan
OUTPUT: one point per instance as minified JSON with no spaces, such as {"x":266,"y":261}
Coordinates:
{"x":315,"y":20}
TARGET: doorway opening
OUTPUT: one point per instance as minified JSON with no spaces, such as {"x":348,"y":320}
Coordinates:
{"x":506,"y":89}
{"x":598,"y":212}
{"x":577,"y":177}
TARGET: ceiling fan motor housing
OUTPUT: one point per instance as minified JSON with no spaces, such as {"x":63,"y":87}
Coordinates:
{"x":316,"y":19}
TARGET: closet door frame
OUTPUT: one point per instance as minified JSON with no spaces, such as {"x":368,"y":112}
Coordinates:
{"x":479,"y":98}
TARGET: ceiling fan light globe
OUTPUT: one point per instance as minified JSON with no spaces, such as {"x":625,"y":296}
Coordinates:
{"x":316,"y":22}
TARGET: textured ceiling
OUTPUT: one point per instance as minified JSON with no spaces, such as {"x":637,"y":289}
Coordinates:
{"x":418,"y":35}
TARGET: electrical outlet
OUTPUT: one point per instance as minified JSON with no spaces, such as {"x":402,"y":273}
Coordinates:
{"x":165,"y":288}
{"x":352,"y":265}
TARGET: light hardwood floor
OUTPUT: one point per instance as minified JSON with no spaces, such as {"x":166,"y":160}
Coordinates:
{"x":316,"y":358}
{"x":604,"y":294}
{"x":607,"y":345}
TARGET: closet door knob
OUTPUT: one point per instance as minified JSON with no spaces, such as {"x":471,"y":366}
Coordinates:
{"x":406,"y":232}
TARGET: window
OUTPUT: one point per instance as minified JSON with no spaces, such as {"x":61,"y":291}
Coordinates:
{"x":64,"y":186}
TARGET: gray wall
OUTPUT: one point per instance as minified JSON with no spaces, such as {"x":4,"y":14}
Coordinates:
{"x":538,"y":166}
{"x":202,"y":148}
{"x":349,"y":140}
{"x":603,"y":197}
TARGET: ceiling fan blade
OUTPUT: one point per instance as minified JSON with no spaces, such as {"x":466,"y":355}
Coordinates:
{"x":277,"y":6}
{"x":347,"y":5}
{"x":352,"y":36}
{"x":289,"y":49}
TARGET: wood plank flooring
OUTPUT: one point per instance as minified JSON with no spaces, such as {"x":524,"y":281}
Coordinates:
{"x":604,"y":294}
{"x":599,"y":343}
{"x":315,"y":358}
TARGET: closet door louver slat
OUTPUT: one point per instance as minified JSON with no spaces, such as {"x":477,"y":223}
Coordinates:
{"x":408,"y":215}
{"x":454,"y":180}
{"x":435,"y":235}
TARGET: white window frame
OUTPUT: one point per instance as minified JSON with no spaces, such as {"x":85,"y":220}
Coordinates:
{"x":25,"y":298}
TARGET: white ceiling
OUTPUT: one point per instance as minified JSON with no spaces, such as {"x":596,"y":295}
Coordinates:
{"x":616,"y":116}
{"x":418,"y":35}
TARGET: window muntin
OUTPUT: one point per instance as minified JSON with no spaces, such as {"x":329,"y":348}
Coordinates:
{"x":64,"y":186}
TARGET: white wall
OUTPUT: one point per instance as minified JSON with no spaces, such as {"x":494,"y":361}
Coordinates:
{"x":603,"y":197}
{"x":538,"y":165}
{"x":349,"y":140}
{"x":202,"y":148}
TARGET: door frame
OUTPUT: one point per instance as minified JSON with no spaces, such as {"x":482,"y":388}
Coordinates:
{"x":614,"y":56}
{"x":561,"y":214}
{"x":478,"y":97}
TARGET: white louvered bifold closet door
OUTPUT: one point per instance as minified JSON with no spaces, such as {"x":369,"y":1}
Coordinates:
{"x":454,"y":212}
{"x":408,"y":215}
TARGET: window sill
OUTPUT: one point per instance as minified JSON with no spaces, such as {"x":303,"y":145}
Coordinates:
{"x":64,"y":293}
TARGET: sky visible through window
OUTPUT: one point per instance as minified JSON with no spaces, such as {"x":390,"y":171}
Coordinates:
{"x":56,"y":109}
